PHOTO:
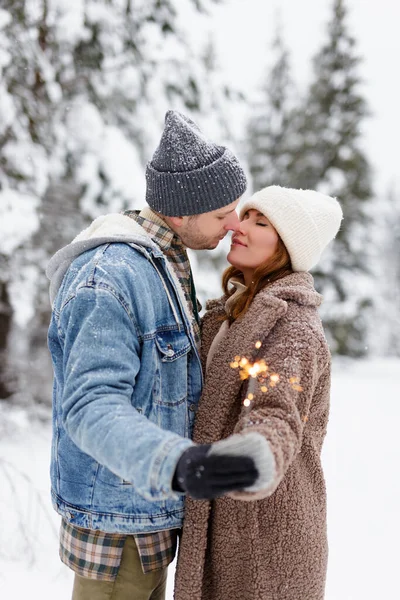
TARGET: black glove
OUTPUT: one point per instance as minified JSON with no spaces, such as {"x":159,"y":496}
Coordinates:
{"x":205,"y":477}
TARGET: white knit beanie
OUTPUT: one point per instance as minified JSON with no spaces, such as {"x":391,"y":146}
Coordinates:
{"x":305,"y":220}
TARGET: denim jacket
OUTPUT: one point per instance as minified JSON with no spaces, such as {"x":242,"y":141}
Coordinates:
{"x":127,"y":380}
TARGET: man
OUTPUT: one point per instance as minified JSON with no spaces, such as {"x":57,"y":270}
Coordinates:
{"x":124,"y":338}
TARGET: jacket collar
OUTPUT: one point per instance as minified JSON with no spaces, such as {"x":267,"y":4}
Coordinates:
{"x":243,"y":333}
{"x":103,"y":230}
{"x":268,"y":306}
{"x":115,"y":226}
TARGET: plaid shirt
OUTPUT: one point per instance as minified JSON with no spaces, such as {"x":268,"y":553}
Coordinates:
{"x":95,"y":554}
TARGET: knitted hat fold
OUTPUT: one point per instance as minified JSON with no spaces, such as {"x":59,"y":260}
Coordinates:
{"x":190,"y":175}
{"x":305,"y":220}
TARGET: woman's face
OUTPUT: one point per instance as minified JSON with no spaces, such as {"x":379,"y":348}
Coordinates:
{"x":253,"y":244}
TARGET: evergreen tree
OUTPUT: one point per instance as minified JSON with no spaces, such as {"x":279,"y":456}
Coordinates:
{"x":328,"y":156}
{"x":384,"y":335}
{"x":5,"y":326}
{"x":270,"y":125}
{"x":83,"y":93}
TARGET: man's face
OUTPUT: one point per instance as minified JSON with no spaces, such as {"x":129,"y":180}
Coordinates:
{"x":204,"y":232}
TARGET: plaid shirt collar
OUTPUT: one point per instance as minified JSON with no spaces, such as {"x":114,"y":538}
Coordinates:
{"x":157,"y":229}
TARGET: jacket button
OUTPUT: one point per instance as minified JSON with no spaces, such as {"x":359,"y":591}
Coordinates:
{"x":192,"y":407}
{"x":170,"y":352}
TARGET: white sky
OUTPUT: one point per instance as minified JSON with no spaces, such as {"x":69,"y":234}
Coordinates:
{"x":244,"y":30}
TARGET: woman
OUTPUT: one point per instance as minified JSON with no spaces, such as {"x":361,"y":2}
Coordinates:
{"x":272,"y":547}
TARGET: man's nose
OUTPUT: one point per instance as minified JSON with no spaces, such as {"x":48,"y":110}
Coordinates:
{"x":233,"y":222}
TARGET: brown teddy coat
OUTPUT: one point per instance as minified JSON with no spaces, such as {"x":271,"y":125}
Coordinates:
{"x":274,"y":546}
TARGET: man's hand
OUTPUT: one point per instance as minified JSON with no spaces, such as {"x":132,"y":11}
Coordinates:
{"x":205,"y":476}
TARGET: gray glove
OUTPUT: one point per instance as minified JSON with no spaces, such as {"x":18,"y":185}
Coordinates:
{"x":255,"y":446}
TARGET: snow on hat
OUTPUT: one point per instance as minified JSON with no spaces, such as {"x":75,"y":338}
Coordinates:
{"x":190,"y":175}
{"x":305,"y":220}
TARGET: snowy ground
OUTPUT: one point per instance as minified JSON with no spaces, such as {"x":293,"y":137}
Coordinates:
{"x":361,"y":458}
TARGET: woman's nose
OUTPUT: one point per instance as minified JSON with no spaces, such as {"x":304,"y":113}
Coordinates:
{"x":242,"y":227}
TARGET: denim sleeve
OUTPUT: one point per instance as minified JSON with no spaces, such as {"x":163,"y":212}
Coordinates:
{"x":101,"y":361}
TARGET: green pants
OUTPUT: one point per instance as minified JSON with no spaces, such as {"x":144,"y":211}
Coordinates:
{"x":130,"y":584}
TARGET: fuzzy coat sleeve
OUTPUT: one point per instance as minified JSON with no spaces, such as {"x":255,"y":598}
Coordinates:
{"x":299,"y":356}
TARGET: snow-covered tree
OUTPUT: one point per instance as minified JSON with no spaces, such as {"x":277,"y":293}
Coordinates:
{"x":270,"y":130}
{"x":83,"y":91}
{"x":19,"y":220}
{"x":384,"y":331}
{"x":329,"y":156}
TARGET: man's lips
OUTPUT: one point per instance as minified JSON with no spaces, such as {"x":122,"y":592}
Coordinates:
{"x":237,"y":242}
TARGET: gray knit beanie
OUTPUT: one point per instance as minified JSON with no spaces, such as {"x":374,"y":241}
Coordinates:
{"x":190,"y":175}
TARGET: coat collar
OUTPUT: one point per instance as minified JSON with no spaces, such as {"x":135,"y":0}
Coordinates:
{"x":269,"y":305}
{"x":243,"y":334}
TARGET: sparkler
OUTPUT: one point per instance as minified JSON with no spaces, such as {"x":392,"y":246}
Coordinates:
{"x":258,"y":372}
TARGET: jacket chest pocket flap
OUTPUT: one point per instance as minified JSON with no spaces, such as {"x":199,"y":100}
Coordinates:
{"x":173,"y":349}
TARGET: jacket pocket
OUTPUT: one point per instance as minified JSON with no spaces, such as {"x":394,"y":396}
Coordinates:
{"x":170,"y":386}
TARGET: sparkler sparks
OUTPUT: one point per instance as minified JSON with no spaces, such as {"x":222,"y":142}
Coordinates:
{"x":258,"y":372}
{"x":295,"y":383}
